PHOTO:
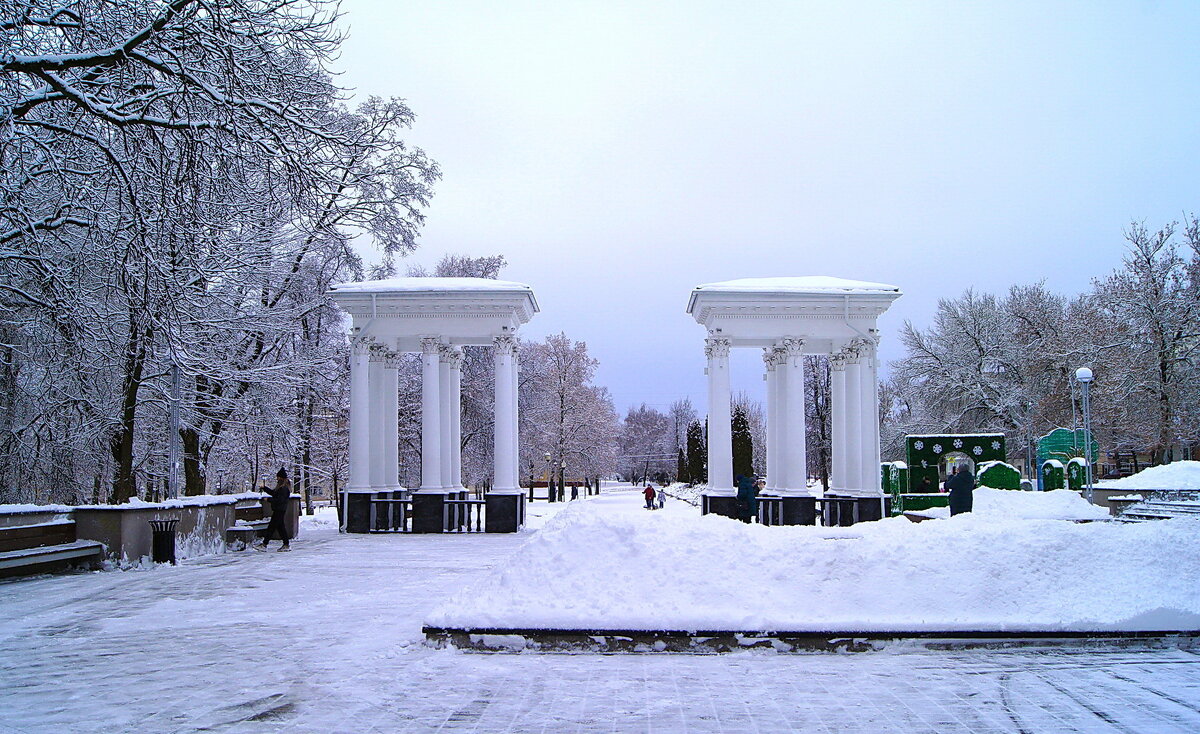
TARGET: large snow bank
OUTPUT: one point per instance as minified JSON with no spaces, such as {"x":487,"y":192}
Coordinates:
{"x":655,"y":570}
{"x":1176,"y":475}
{"x":1012,"y":504}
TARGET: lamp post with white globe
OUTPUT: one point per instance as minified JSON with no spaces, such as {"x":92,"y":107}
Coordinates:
{"x":1084,"y":376}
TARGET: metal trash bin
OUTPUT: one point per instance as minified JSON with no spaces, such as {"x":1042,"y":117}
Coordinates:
{"x":163,"y":543}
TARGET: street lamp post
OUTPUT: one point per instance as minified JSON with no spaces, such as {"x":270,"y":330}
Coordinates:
{"x":549,"y":487}
{"x":1084,"y":376}
{"x":562,"y":480}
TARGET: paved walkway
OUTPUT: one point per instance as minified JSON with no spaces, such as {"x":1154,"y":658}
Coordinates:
{"x":327,"y":639}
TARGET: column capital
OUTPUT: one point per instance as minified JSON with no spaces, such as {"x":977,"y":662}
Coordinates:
{"x":431,"y":345}
{"x":378,"y":353}
{"x":391,"y":359}
{"x":837,"y":361}
{"x":717,"y":346}
{"x":360,"y":345}
{"x":453,"y":355}
{"x":791,"y":346}
{"x":505,"y":344}
{"x":769,"y":358}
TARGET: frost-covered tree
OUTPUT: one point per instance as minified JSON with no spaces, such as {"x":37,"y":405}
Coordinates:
{"x":647,"y":445}
{"x":179,"y":183}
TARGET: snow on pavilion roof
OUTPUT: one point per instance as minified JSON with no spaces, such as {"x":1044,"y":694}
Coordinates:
{"x":815,"y":284}
{"x":432,"y":285}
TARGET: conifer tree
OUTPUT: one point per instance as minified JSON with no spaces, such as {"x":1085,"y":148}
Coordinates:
{"x":697,"y":454}
{"x":743,"y":444}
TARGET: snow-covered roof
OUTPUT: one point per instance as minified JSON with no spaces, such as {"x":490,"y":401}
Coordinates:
{"x":432,"y":285}
{"x":820,"y":284}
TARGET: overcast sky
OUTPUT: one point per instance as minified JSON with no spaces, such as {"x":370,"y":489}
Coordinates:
{"x":618,"y":154}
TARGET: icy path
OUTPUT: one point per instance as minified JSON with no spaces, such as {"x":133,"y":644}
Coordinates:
{"x":327,"y":639}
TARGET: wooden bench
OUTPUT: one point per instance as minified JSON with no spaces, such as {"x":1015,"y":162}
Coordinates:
{"x":45,"y":547}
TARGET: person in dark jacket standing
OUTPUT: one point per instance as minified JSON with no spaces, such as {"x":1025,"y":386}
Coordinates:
{"x":281,"y":496}
{"x":648,"y":493}
{"x":747,"y":498}
{"x":962,"y":488}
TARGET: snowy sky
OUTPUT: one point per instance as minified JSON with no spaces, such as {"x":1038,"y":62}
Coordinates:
{"x":618,"y":154}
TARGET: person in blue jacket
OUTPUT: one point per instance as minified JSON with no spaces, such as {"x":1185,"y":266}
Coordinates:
{"x":747,"y":498}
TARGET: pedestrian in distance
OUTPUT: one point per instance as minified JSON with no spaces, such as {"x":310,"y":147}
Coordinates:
{"x":747,"y":498}
{"x":926,"y":486}
{"x":648,"y":492}
{"x":281,"y":497}
{"x":661,"y":496}
{"x":962,"y":488}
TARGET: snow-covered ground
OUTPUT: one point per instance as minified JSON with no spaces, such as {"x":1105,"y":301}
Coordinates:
{"x":1176,"y":475}
{"x":991,"y":570}
{"x":327,"y":638}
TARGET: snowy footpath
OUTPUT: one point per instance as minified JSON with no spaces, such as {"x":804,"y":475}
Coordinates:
{"x":328,"y":639}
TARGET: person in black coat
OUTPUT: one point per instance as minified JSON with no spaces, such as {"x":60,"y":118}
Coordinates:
{"x":281,"y":496}
{"x":962,"y":488}
{"x":747,"y":498}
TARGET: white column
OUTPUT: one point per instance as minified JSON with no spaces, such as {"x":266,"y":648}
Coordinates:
{"x":869,"y":404}
{"x":854,"y":423}
{"x":375,"y":372}
{"x":431,"y":422}
{"x":503,"y":470}
{"x":782,"y":439}
{"x":837,"y":407}
{"x":455,"y":443}
{"x":516,"y":428}
{"x":720,"y":438}
{"x":360,"y":414}
{"x":796,"y":450}
{"x":772,"y":419}
{"x":391,"y":422}
{"x":444,"y":415}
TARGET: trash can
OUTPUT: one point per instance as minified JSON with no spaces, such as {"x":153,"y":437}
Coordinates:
{"x":163,"y":543}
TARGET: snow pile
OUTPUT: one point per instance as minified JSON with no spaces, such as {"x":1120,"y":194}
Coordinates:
{"x":655,"y":570}
{"x":1012,"y":504}
{"x":803,"y":284}
{"x":1176,"y":475}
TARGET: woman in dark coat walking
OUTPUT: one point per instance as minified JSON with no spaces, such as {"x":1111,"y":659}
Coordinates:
{"x":280,"y":498}
{"x":962,"y":488}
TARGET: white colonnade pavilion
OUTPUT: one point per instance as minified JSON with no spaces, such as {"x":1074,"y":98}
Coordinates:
{"x":436,"y":317}
{"x":788,"y":318}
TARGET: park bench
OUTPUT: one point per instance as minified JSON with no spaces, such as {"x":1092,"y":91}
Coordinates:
{"x":252,"y":519}
{"x":44,"y":547}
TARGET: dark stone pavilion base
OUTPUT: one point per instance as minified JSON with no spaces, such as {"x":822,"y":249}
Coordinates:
{"x":505,"y":512}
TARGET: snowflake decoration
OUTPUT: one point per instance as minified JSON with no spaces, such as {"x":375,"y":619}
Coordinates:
{"x":995,"y":445}
{"x":924,"y":464}
{"x":937,"y":448}
{"x":977,"y":450}
{"x":919,"y":445}
{"x":958,"y":443}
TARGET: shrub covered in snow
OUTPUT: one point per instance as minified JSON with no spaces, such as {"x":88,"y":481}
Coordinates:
{"x":999,"y":475}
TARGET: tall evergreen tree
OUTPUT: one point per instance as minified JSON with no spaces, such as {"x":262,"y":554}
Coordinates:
{"x":697,"y":454}
{"x":681,"y":468}
{"x":743,"y":444}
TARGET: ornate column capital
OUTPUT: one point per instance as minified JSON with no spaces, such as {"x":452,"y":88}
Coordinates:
{"x":391,"y":360}
{"x":505,"y":344}
{"x":837,"y":361}
{"x":453,"y":355}
{"x":378,"y":353}
{"x":717,"y":346}
{"x":431,"y":345}
{"x":360,"y":345}
{"x":791,"y":346}
{"x":769,"y":358}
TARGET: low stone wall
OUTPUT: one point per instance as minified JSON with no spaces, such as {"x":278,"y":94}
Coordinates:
{"x":125,"y":529}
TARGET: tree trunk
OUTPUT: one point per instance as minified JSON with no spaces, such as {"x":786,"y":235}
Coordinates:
{"x":194,"y":481}
{"x":121,"y":443}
